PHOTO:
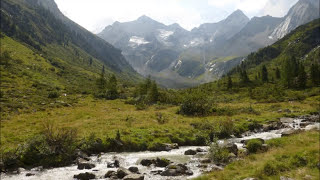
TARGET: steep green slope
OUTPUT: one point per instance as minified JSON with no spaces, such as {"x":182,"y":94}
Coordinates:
{"x":43,"y":57}
{"x":301,"y":45}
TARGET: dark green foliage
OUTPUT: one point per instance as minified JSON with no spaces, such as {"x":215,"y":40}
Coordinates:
{"x":112,"y":88}
{"x":315,"y":74}
{"x":153,"y":93}
{"x":196,"y":104}
{"x":264,"y":73}
{"x":218,"y":154}
{"x":229,"y":85}
{"x":302,"y":77}
{"x":52,"y":148}
{"x":254,"y":145}
{"x":290,"y":70}
{"x":278,"y":74}
{"x":53,"y":94}
{"x":244,"y":77}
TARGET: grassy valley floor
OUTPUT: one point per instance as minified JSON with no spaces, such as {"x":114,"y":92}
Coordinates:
{"x":295,"y":157}
{"x":157,"y":123}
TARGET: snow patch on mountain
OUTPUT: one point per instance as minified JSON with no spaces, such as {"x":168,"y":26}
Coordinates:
{"x":164,"y":35}
{"x":137,"y":41}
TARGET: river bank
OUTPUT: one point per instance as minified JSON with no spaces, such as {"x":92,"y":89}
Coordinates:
{"x":194,"y":162}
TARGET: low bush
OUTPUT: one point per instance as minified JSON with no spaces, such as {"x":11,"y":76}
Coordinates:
{"x":53,"y":94}
{"x":254,"y":145}
{"x":196,"y":104}
{"x":218,"y":154}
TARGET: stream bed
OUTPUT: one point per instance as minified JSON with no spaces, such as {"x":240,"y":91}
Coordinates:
{"x":177,"y":156}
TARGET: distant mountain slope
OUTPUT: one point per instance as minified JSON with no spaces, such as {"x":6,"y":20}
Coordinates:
{"x":301,"y":45}
{"x":174,"y":53}
{"x":42,"y":27}
{"x":43,"y":55}
{"x":302,"y":12}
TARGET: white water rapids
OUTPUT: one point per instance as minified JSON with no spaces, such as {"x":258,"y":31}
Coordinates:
{"x":128,"y":159}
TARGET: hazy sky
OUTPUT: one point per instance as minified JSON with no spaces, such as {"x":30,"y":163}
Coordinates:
{"x":94,"y":15}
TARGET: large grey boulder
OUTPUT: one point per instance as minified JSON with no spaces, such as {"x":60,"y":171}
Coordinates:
{"x":84,"y":164}
{"x":190,"y":152}
{"x":84,"y":176}
{"x":122,"y":172}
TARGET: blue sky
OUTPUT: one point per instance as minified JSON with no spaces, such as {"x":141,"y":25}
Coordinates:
{"x":94,"y":15}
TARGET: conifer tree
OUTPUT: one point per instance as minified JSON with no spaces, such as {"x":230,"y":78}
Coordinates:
{"x":302,"y":77}
{"x":244,"y":77}
{"x":153,"y":94}
{"x":112,"y":88}
{"x":101,"y":81}
{"x":264,"y":73}
{"x":278,"y":74}
{"x":315,"y":74}
{"x":229,"y":85}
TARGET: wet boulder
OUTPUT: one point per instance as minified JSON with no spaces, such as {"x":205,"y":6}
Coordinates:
{"x":82,"y":155}
{"x":146,"y":162}
{"x":115,"y":164}
{"x":200,"y":150}
{"x":216,"y":168}
{"x":84,"y":176}
{"x":162,"y":162}
{"x":205,"y":160}
{"x":133,"y":169}
{"x":176,"y":170}
{"x":190,"y":152}
{"x":290,"y":132}
{"x":30,"y":174}
{"x":134,"y":177}
{"x":231,"y":147}
{"x":122,"y":172}
{"x":83,"y":164}
{"x":110,"y":174}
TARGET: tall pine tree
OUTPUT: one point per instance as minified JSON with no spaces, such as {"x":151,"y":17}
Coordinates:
{"x":302,"y":77}
{"x":264,"y":73}
{"x":315,"y":74}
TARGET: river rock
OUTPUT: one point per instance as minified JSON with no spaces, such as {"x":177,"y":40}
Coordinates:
{"x":285,"y":178}
{"x":110,"y":174}
{"x":190,"y":152}
{"x":82,"y":155}
{"x":83,"y":164}
{"x":146,"y":162}
{"x":156,"y":172}
{"x":122,"y":172}
{"x":133,"y":169}
{"x":272,"y":126}
{"x":176,"y":170}
{"x":286,"y":120}
{"x":290,"y":132}
{"x":200,"y":150}
{"x":205,"y":161}
{"x":162,"y":162}
{"x":115,"y":164}
{"x":30,"y":174}
{"x":231,"y":147}
{"x":216,"y":168}
{"x":134,"y":177}
{"x":84,"y":176}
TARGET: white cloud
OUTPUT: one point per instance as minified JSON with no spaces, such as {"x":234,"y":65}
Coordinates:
{"x":277,"y":8}
{"x":94,"y":15}
{"x":249,"y":7}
